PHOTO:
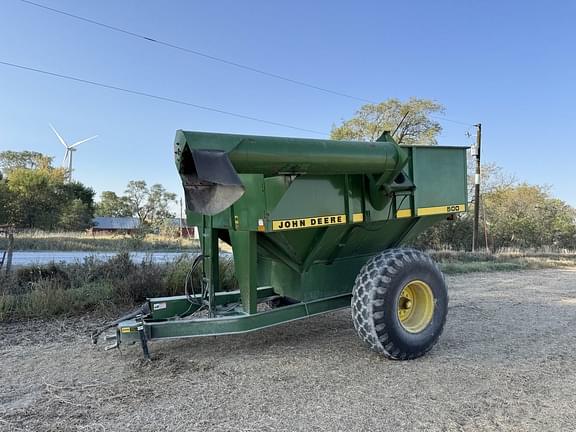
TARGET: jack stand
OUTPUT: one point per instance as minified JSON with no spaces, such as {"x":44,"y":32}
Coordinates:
{"x":143,"y":339}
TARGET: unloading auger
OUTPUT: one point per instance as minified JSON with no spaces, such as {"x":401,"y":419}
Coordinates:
{"x":315,"y":226}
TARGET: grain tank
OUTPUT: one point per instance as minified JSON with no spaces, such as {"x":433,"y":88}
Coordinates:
{"x":314,"y":226}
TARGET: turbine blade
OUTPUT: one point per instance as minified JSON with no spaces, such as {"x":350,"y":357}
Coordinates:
{"x":58,"y":135}
{"x":66,"y":153}
{"x":83,"y":141}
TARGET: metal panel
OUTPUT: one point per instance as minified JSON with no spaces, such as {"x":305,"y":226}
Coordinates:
{"x":310,"y":196}
{"x":440,"y":177}
{"x":251,"y":207}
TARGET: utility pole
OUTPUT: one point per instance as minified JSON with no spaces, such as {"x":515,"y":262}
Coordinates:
{"x":9,"y":253}
{"x":6,"y":257}
{"x":477,"y":187}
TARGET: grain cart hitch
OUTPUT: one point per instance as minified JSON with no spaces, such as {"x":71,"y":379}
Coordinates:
{"x":315,"y":226}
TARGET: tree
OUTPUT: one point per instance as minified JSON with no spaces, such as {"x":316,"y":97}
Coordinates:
{"x":35,"y":203}
{"x":526,"y":216}
{"x":10,"y":160}
{"x":136,"y":195}
{"x":33,"y":194}
{"x":77,"y":206}
{"x":113,"y":205}
{"x":371,"y":120}
{"x":70,"y":191}
{"x":76,"y":215}
{"x":5,"y":202}
{"x":159,"y":200}
{"x":512,"y":214}
{"x":563,"y":223}
{"x":492,"y":177}
{"x":150,"y":205}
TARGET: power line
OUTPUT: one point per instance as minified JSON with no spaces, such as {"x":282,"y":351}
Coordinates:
{"x":218,"y":59}
{"x":196,"y":52}
{"x":450,"y":120}
{"x":162,"y":98}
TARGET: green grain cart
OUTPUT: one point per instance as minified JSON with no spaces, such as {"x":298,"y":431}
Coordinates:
{"x":315,"y":226}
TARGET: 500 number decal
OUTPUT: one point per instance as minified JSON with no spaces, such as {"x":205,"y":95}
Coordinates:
{"x":452,"y":208}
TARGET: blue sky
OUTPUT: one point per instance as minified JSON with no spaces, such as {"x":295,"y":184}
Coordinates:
{"x":510,"y":65}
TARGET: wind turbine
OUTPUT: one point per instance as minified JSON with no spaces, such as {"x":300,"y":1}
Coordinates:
{"x":70,"y":149}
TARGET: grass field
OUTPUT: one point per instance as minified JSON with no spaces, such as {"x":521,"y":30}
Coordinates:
{"x":82,"y":241}
{"x":456,"y":262}
{"x":104,"y":286}
{"x":108,"y":286}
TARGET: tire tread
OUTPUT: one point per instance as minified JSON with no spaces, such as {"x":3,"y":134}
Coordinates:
{"x":371,"y":285}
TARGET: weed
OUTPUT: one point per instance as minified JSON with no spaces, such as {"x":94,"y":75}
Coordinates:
{"x":82,"y":241}
{"x":94,"y":284}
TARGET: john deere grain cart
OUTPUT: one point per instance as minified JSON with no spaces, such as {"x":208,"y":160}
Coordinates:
{"x":315,"y":226}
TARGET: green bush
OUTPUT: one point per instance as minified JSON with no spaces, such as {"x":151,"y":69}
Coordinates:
{"x":8,"y":306}
{"x":176,"y":274}
{"x":47,"y":299}
{"x":120,"y":283}
{"x":145,"y":281}
{"x":35,"y":274}
{"x":93,"y":284}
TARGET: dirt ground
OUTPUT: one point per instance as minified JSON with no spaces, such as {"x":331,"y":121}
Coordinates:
{"x":506,"y":361}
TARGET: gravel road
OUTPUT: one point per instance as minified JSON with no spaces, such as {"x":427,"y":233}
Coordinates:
{"x":506,"y":361}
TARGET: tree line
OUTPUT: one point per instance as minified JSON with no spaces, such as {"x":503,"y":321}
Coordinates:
{"x":36,"y":195}
{"x":511,"y":216}
{"x":151,"y":205}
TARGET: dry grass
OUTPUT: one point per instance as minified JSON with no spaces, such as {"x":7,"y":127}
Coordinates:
{"x":69,"y":289}
{"x":96,"y":285}
{"x":454,"y":262}
{"x":82,"y":241}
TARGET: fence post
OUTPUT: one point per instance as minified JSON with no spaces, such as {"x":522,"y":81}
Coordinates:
{"x":9,"y":252}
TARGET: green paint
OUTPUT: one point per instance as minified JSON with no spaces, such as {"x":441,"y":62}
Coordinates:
{"x":244,"y":323}
{"x":245,"y":265}
{"x":181,"y":306}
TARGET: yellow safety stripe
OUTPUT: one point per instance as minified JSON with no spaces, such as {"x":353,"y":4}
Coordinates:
{"x":452,"y":208}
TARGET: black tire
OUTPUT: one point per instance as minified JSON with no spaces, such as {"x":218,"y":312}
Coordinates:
{"x":376,"y":299}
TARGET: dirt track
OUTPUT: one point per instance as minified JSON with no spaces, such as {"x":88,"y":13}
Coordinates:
{"x":506,"y":361}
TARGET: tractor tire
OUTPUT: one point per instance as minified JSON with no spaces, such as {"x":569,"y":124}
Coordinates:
{"x":400,"y":303}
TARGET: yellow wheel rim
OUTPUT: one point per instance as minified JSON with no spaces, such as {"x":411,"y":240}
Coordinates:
{"x":415,"y":306}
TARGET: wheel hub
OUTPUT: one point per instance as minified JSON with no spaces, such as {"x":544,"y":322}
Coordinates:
{"x":415,"y":306}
